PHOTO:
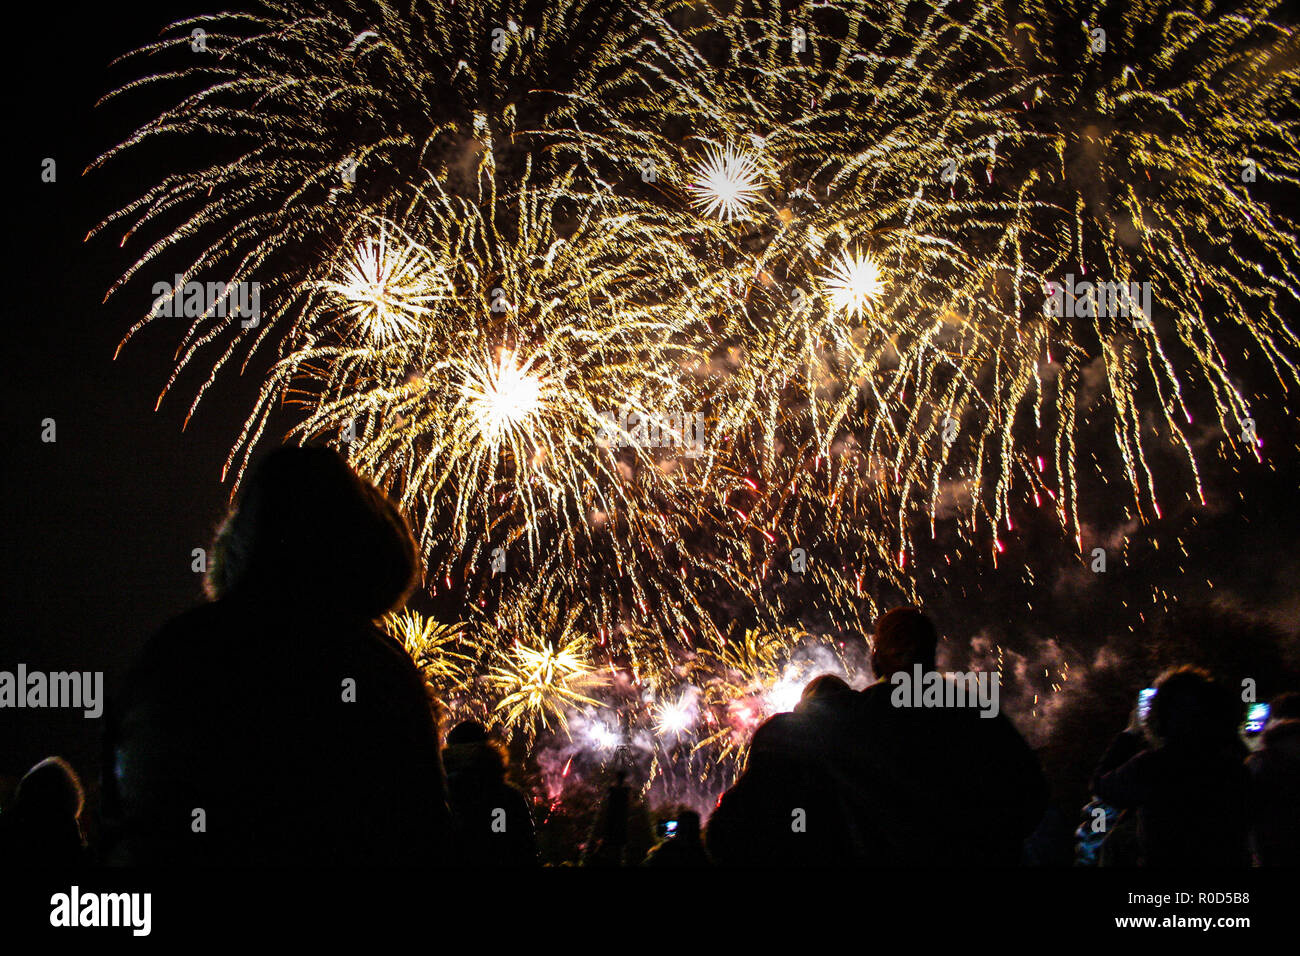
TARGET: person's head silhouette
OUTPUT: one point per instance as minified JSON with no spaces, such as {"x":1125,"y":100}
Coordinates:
{"x":467,"y":732}
{"x":904,"y":638}
{"x":307,"y":532}
{"x":825,"y":687}
{"x":1191,"y":708}
{"x":688,"y":827}
{"x":51,"y":789}
{"x":41,"y":826}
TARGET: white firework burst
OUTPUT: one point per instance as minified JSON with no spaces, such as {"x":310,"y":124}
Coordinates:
{"x":386,"y":286}
{"x":504,"y":396}
{"x":725,"y":183}
{"x":854,"y":284}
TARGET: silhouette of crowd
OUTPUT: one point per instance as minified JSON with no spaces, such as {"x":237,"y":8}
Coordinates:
{"x":278,"y":725}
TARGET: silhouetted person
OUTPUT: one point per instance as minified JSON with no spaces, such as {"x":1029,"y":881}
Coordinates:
{"x":788,"y":808}
{"x":1189,"y":787}
{"x":1275,"y":786}
{"x":683,"y":848}
{"x":40,"y":827}
{"x":941,"y":786}
{"x":491,"y":818}
{"x":277,"y":724}
{"x":612,"y":825}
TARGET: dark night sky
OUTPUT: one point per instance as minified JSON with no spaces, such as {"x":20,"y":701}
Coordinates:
{"x":100,"y":525}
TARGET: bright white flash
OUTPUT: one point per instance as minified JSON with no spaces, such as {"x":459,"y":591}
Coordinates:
{"x":673,"y":717}
{"x":854,"y":284}
{"x":504,"y":396}
{"x":725,"y":183}
{"x":386,"y":286}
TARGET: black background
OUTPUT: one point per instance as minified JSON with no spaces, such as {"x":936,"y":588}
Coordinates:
{"x":99,"y":525}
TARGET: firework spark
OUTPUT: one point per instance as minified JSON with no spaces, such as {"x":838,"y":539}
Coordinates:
{"x":538,"y":666}
{"x":539,"y":685}
{"x":386,"y":288}
{"x":432,"y":645}
{"x":854,"y":284}
{"x":725,"y":184}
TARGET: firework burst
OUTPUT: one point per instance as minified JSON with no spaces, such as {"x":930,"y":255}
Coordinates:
{"x":676,"y":717}
{"x":1085,"y":139}
{"x":484,"y":252}
{"x":725,"y":184}
{"x":386,"y":288}
{"x":542,"y":673}
{"x":853,"y":284}
{"x":504,"y":398}
{"x":433,"y":647}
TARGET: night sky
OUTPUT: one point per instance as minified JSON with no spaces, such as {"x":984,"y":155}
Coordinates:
{"x":100,"y":525}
